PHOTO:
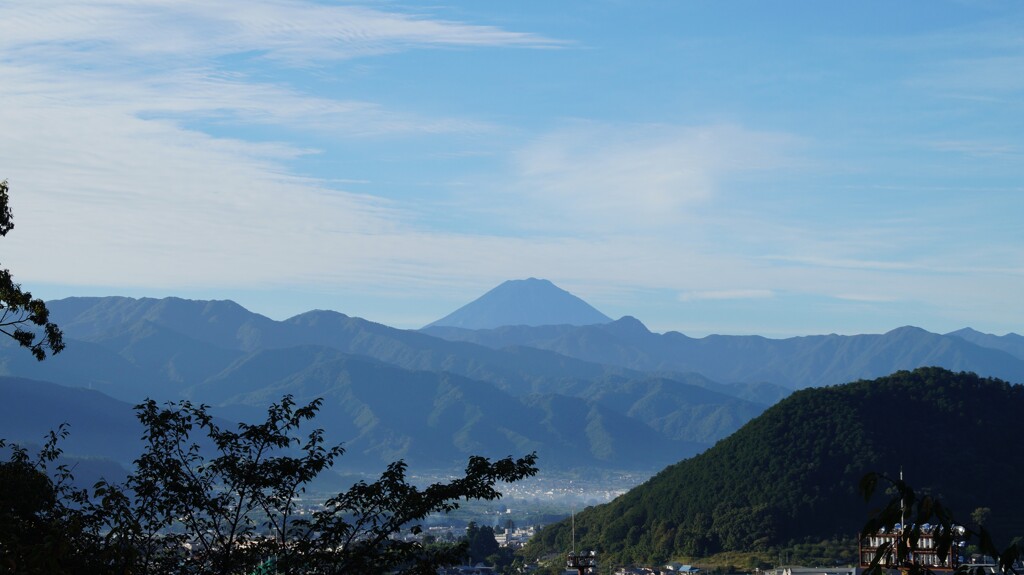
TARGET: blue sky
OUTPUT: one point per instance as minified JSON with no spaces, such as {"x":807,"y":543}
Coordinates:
{"x":777,"y":168}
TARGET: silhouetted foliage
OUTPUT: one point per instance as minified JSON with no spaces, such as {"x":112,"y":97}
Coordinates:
{"x":45,"y":526}
{"x":204,"y":499}
{"x":18,"y":308}
{"x":911,"y":513}
{"x":482,"y":543}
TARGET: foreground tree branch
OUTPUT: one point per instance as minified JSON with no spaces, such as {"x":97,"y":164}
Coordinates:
{"x":18,"y":309}
{"x":209,"y":500}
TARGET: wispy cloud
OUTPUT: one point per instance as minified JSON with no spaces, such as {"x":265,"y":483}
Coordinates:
{"x":191,"y":96}
{"x":730,"y":294}
{"x":296,"y":31}
{"x":983,"y":77}
{"x":982,"y":61}
{"x":167,"y":58}
{"x":846,"y":263}
{"x":119,"y":180}
{"x":977,"y":149}
{"x":604,"y":177}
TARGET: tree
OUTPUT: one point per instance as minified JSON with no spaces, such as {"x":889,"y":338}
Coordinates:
{"x":231,"y":508}
{"x":980,"y":516}
{"x":482,"y":543}
{"x":205,"y":499}
{"x":43,"y":527}
{"x":26,"y":526}
{"x":18,"y":308}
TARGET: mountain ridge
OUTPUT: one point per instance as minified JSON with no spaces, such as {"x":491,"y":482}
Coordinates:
{"x":795,"y":362}
{"x":1011,"y":343}
{"x":162,"y":349}
{"x":633,"y":381}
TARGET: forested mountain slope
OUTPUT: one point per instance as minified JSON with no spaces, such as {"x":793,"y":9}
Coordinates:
{"x":791,"y":474}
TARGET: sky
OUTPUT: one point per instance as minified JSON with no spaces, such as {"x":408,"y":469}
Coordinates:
{"x":776,"y":168}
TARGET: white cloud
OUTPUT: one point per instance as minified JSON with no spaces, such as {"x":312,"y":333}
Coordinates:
{"x":165,"y":58}
{"x":300,"y":32}
{"x":198,"y":95}
{"x":106,"y":197}
{"x":600,"y":177}
{"x":113,"y":183}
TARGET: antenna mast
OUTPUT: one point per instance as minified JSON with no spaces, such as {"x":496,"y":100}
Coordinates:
{"x":586,"y":561}
{"x":574,"y":531}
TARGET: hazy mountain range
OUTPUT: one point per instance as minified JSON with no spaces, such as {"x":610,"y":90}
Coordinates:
{"x":795,"y":362}
{"x":558,"y":378}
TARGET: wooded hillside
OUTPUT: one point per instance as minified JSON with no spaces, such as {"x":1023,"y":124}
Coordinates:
{"x":791,"y":474}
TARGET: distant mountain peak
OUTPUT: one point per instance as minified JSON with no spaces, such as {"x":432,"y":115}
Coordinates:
{"x":531,"y":302}
{"x":967,"y":332}
{"x":629,"y":325}
{"x":907,"y":330}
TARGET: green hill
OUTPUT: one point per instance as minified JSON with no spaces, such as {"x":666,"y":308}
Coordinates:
{"x":791,"y":474}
